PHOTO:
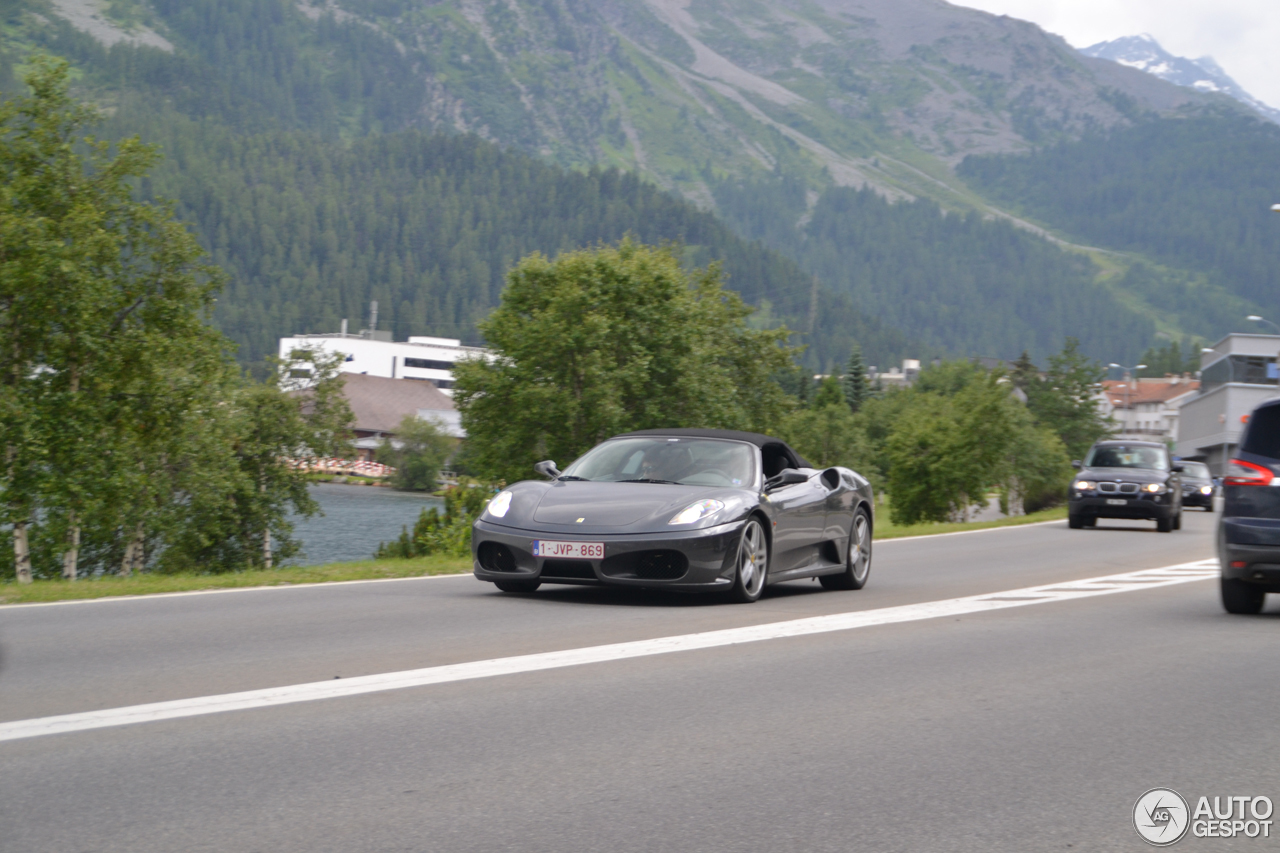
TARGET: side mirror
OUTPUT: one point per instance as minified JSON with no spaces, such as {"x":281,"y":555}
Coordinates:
{"x":785,"y":477}
{"x":1076,"y":464}
{"x":547,"y":469}
{"x":1177,"y":469}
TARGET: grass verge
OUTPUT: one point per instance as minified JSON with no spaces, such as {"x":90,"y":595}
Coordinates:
{"x":109,"y":587}
{"x":886,"y":529}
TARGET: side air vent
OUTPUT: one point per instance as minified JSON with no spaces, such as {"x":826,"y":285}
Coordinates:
{"x":496,"y":557}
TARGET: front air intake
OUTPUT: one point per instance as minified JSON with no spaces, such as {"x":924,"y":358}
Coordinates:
{"x":496,"y":557}
{"x":646,"y":565}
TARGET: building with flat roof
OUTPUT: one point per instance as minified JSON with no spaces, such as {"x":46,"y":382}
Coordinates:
{"x":375,"y":354}
{"x":1236,"y":374}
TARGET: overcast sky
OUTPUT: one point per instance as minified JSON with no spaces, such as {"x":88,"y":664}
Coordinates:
{"x":1242,"y":35}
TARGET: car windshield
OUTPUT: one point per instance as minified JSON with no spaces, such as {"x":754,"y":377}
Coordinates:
{"x":686,"y":461}
{"x":1128,"y":456}
{"x":1196,"y":469}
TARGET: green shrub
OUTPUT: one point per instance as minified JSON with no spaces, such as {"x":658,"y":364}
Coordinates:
{"x":447,"y":534}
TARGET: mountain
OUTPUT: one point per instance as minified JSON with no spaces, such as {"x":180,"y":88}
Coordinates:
{"x":881,"y":93}
{"x":791,"y":121}
{"x":1204,"y":74}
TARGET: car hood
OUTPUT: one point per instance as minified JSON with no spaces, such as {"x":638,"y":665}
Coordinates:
{"x":598,"y":508}
{"x":1126,"y":475}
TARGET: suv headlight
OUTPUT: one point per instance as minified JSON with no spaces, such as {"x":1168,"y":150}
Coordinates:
{"x":499,"y":505}
{"x":697,"y":512}
{"x":1206,"y":490}
{"x":1155,"y":488}
{"x":1084,"y":485}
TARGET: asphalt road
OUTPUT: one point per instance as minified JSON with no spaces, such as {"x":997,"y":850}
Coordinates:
{"x":1033,"y":728}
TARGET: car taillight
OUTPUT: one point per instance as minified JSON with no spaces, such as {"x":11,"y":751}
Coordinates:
{"x":1241,"y":473}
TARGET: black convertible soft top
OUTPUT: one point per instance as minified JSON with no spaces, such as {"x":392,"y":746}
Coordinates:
{"x":759,"y":440}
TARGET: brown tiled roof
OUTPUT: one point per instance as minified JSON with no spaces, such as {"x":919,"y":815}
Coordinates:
{"x":1148,"y":390}
{"x":379,"y":404}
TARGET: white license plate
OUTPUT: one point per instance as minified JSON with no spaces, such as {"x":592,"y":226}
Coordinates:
{"x":1116,"y":502}
{"x":568,"y":550}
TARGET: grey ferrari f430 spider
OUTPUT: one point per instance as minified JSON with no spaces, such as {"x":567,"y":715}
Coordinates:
{"x":693,"y":510}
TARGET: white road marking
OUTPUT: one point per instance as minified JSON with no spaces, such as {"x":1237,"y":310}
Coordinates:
{"x":268,"y":588}
{"x":1072,"y":590}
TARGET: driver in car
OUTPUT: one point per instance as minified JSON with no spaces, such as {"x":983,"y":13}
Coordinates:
{"x":667,"y":462}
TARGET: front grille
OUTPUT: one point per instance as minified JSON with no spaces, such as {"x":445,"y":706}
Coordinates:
{"x":1122,"y":488}
{"x":646,"y":565}
{"x":572,"y":569}
{"x":496,"y":557}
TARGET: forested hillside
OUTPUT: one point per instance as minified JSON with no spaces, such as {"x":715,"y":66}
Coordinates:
{"x":1193,"y":194}
{"x":310,"y":230}
{"x":276,"y":116}
{"x":961,"y":282}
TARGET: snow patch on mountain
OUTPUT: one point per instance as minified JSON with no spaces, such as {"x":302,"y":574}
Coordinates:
{"x":1204,"y":74}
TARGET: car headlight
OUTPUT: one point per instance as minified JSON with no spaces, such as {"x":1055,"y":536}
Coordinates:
{"x":1206,"y":490}
{"x":1155,"y":488}
{"x":697,"y":512}
{"x":499,"y":505}
{"x":1084,"y":485}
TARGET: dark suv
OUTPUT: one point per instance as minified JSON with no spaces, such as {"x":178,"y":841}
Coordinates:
{"x":1126,"y":479}
{"x":1249,"y":533}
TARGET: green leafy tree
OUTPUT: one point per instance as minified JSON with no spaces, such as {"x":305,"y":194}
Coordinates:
{"x":128,"y":434}
{"x":827,"y":433}
{"x":960,"y":434}
{"x":856,"y":387}
{"x":447,"y":533}
{"x":1065,"y":401}
{"x":96,"y":291}
{"x":418,"y":453}
{"x":612,"y":339}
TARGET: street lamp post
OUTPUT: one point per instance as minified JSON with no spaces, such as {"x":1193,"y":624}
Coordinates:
{"x":1127,"y":383}
{"x":1255,"y":318}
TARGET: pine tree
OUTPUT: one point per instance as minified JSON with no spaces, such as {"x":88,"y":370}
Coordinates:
{"x":856,"y":387}
{"x":1024,"y":373}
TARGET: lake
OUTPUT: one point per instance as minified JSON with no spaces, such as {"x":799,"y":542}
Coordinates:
{"x":356,"y":520}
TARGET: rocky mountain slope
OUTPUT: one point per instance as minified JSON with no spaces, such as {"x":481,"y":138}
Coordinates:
{"x":1204,"y":74}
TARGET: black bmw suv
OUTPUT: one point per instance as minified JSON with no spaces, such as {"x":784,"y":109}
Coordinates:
{"x":1126,"y":479}
{"x":1249,"y":532}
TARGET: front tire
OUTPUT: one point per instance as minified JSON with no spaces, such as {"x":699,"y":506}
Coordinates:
{"x":1240,"y":597}
{"x":518,"y":586}
{"x":1164,"y":525}
{"x":1075,"y":521}
{"x":753,"y":564}
{"x":857,"y":564}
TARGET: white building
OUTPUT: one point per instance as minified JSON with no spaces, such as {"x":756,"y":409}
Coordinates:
{"x":896,"y":377}
{"x":375,"y":354}
{"x":1147,"y":409}
{"x":1236,"y":374}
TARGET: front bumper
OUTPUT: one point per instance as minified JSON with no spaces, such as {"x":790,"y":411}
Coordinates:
{"x":1195,"y":497}
{"x":1147,"y":506}
{"x":687,"y":560}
